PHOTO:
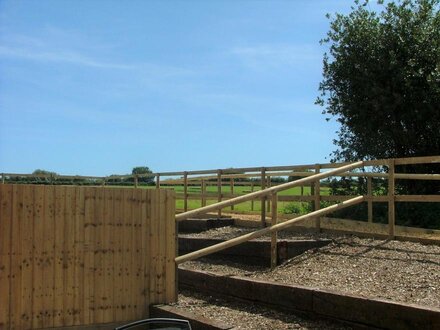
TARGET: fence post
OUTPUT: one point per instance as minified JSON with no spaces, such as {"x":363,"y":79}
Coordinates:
{"x":203,"y":191}
{"x":157,"y":181}
{"x":263,"y":199}
{"x":391,"y":200}
{"x":252,"y":201}
{"x":185,"y":191}
{"x":317,"y":200}
{"x":3,"y":177}
{"x":136,"y":181}
{"x":232,"y":192}
{"x":219,"y":190}
{"x":369,"y":201}
{"x":268,"y":185}
{"x":274,"y":235}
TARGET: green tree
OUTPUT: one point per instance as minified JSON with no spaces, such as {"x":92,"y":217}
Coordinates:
{"x":381,"y":80}
{"x":142,"y":170}
{"x":44,"y":172}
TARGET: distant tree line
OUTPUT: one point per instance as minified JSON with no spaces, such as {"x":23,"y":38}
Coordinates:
{"x":40,"y":176}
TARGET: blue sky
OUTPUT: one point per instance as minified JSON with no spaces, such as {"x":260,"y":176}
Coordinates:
{"x":98,"y":87}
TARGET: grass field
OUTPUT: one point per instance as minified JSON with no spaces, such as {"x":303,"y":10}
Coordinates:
{"x":246,"y":207}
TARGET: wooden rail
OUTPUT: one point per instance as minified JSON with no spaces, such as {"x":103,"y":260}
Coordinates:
{"x":264,"y":231}
{"x":267,"y":192}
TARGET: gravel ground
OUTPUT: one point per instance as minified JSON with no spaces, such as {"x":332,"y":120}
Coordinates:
{"x":399,"y":271}
{"x":234,"y":231}
{"x":247,"y":316}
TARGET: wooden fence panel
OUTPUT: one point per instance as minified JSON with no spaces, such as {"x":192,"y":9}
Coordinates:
{"x":74,"y":255}
{"x":5,"y":254}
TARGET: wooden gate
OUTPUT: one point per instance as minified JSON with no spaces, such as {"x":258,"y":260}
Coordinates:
{"x":73,"y":255}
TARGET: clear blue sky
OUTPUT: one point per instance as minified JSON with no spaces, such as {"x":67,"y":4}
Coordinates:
{"x":98,"y":87}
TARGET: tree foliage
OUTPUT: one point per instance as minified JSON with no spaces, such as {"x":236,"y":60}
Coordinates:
{"x":381,"y":80}
{"x":142,"y":170}
{"x":44,"y":172}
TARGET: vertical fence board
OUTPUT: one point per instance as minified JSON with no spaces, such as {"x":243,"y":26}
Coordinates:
{"x":48,"y":255}
{"x":15,"y":297}
{"x":131,"y":273}
{"x":117,"y":257}
{"x":5,"y":254}
{"x":137,"y":255}
{"x":154,"y":229}
{"x":126,"y":262}
{"x":84,"y":255}
{"x":145,"y":236}
{"x":78,"y":316}
{"x":98,"y":271}
{"x":60,"y":200}
{"x":38,"y":261}
{"x":27,"y":241}
{"x":89,"y":255}
{"x":107,"y":255}
{"x":171,"y":247}
{"x":68,"y":257}
{"x":162,"y":245}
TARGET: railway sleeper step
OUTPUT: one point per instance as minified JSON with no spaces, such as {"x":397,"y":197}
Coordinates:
{"x":252,"y":252}
{"x":355,"y":311}
{"x":199,"y":225}
{"x":205,"y":311}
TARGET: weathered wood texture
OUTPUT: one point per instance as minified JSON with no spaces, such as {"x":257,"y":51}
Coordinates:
{"x":84,"y":255}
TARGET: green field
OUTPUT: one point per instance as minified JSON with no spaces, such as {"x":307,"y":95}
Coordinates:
{"x":246,"y":207}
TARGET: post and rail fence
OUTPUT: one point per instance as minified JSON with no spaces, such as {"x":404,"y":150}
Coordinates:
{"x":257,"y":178}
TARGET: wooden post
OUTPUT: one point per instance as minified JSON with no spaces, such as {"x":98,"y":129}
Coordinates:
{"x":136,"y":181}
{"x":185,"y":191}
{"x":252,"y":201}
{"x":274,"y":235}
{"x":219,"y":190}
{"x":203,"y":192}
{"x":391,"y":199}
{"x":232,"y":192}
{"x":3,"y":177}
{"x":317,"y":200}
{"x":302,"y":190}
{"x":268,"y":185}
{"x":157,"y":181}
{"x":263,"y":199}
{"x":370,"y":202}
